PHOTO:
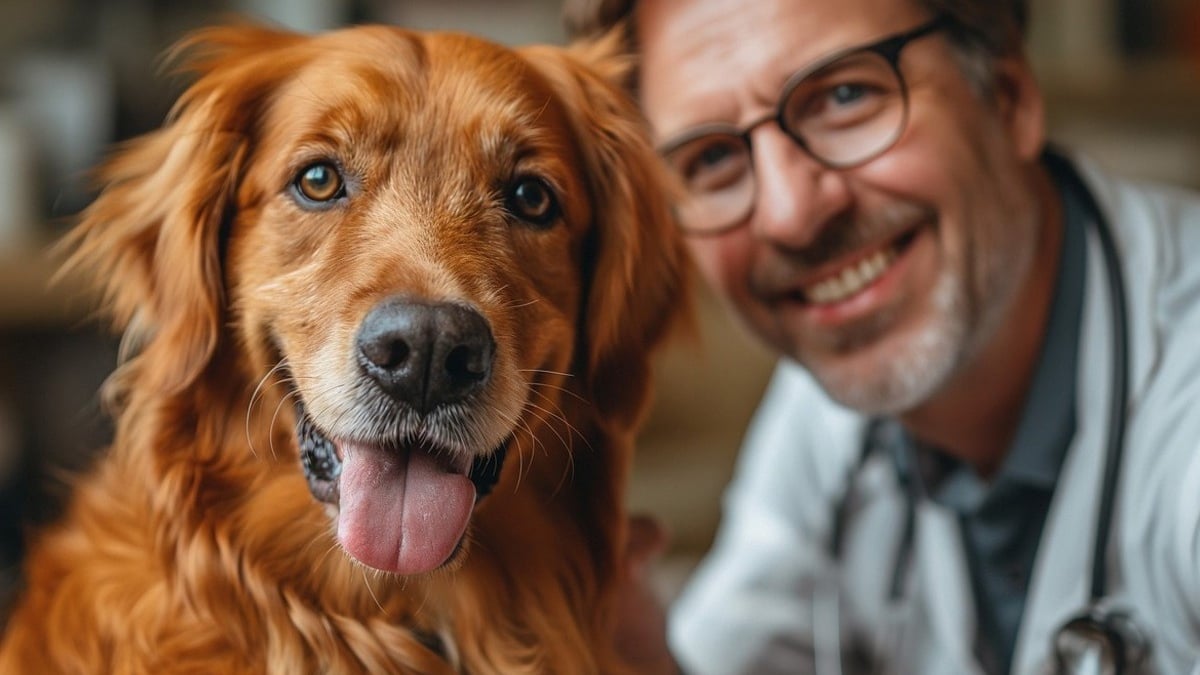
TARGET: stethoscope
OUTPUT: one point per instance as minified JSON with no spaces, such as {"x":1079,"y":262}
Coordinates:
{"x":1103,"y":638}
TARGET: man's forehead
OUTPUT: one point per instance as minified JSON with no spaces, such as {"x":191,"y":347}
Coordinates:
{"x":705,"y":60}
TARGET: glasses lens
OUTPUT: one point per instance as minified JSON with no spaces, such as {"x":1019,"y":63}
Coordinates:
{"x":717,"y":179}
{"x":849,"y":111}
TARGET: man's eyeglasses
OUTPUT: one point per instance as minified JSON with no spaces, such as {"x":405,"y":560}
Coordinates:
{"x":846,"y":109}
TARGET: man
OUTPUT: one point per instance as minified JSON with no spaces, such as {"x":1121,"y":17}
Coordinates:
{"x":867,"y":186}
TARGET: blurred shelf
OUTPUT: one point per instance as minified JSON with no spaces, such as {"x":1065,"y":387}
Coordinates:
{"x":1148,"y":93}
{"x":1139,"y":118}
{"x":31,"y":297}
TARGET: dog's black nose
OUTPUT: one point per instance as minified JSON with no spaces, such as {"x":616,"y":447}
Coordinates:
{"x":424,"y":354}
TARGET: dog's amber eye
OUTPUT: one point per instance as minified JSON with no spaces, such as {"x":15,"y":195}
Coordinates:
{"x":532,"y":200}
{"x":320,"y":182}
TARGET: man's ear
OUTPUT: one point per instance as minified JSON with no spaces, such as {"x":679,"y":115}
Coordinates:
{"x":1022,"y":108}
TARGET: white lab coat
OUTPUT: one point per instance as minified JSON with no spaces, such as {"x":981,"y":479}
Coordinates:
{"x":749,"y":608}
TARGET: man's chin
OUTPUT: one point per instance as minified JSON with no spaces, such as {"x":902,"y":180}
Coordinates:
{"x":889,"y":376}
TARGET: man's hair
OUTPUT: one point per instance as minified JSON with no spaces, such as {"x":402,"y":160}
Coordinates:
{"x":980,"y":30}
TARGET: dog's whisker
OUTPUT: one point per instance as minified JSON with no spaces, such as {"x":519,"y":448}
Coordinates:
{"x":323,"y":558}
{"x":545,"y":372}
{"x":424,"y":599}
{"x":254,"y":397}
{"x":552,"y":413}
{"x":564,"y":390}
{"x":508,"y":419}
{"x":572,"y":430}
{"x":567,"y":446}
{"x":319,"y":408}
{"x":519,"y":305}
{"x":289,"y":380}
{"x":520,"y":463}
{"x":569,"y":468}
{"x":521,"y":468}
{"x":309,"y":546}
{"x":328,"y":554}
{"x":538,"y":443}
{"x":541,"y":415}
{"x":259,"y":388}
{"x":274,"y":417}
{"x":371,"y":592}
{"x":561,"y":416}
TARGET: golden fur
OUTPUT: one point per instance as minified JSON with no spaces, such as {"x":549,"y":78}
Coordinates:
{"x":195,"y":546}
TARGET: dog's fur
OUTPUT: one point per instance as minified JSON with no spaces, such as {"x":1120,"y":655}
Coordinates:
{"x":195,"y":544}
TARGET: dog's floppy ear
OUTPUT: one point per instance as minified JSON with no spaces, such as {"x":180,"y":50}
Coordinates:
{"x":152,"y":238}
{"x":638,"y":269}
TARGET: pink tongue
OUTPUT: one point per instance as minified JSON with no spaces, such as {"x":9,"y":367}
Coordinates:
{"x":401,"y":512}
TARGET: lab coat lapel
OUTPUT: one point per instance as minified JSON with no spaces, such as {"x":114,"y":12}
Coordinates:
{"x":945,"y":584}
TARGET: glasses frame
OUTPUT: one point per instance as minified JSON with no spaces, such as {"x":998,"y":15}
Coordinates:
{"x":888,"y":47}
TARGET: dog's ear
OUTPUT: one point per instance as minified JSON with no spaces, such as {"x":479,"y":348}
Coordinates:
{"x":636,"y":258}
{"x":152,"y":239}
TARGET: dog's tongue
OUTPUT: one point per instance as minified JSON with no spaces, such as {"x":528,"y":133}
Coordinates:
{"x":401,"y":512}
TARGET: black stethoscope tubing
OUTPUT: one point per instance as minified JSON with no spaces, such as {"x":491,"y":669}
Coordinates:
{"x":1119,"y":397}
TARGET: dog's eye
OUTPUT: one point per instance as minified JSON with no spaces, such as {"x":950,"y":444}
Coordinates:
{"x":531,"y":200}
{"x":320,"y":182}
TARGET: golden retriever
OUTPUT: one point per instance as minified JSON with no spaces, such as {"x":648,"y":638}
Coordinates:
{"x":361,"y":277}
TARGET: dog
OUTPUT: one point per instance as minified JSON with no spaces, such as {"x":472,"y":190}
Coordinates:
{"x":388,"y":302}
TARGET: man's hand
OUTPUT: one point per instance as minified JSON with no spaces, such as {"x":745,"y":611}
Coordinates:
{"x":641,"y":636}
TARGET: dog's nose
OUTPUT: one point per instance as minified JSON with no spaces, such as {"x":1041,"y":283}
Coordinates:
{"x":425,"y":354}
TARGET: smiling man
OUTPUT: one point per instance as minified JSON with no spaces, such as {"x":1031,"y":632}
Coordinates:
{"x":867,"y":186}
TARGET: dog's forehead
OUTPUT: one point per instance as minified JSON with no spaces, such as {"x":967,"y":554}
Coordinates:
{"x":390,"y":81}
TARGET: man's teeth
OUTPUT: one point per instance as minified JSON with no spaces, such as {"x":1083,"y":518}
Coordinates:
{"x":851,"y":280}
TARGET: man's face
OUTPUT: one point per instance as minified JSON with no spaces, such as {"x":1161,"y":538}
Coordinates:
{"x":917,"y":255}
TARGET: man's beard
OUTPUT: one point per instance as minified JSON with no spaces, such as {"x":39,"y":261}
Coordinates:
{"x":926,"y":358}
{"x":967,"y":305}
{"x":915,"y":371}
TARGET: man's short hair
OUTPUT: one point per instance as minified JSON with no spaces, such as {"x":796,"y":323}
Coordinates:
{"x":995,"y":25}
{"x":981,"y":30}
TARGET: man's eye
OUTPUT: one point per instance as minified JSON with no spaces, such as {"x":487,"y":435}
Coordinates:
{"x":845,"y":94}
{"x":712,"y":155}
{"x":713,"y":165}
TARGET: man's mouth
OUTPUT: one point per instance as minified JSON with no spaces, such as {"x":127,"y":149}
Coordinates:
{"x":402,"y":506}
{"x":850,"y":278}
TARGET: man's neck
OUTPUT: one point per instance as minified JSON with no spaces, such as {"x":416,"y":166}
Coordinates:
{"x":975,"y":416}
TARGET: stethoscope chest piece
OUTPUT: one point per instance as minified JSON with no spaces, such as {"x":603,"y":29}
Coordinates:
{"x":1101,"y":641}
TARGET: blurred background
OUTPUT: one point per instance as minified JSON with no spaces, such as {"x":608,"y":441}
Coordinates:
{"x":1122,"y":78}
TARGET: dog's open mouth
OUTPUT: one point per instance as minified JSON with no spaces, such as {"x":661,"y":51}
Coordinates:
{"x":402,"y":506}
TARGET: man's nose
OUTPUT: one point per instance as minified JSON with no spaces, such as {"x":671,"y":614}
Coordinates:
{"x":797,"y":195}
